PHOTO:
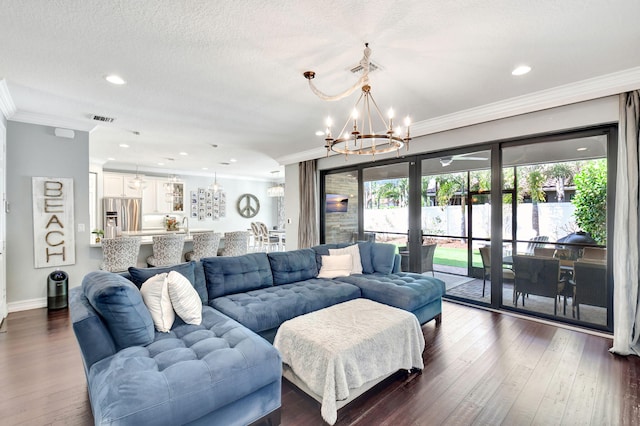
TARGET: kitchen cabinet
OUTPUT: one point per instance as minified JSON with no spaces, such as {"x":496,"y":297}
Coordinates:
{"x":117,"y":185}
{"x":175,"y":196}
{"x":161,"y":196}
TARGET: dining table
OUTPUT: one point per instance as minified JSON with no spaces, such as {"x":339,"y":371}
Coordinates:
{"x":280,"y":233}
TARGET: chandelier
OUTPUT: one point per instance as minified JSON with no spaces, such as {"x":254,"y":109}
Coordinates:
{"x":361,"y":138}
{"x":277,"y":190}
{"x":137,"y":182}
{"x":215,"y":187}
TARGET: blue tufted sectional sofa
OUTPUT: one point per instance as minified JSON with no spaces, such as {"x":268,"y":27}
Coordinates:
{"x":223,"y":371}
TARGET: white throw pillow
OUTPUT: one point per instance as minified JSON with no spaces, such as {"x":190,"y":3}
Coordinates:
{"x":155,"y":294}
{"x":335,"y":266}
{"x":354,"y":251}
{"x":184,"y":298}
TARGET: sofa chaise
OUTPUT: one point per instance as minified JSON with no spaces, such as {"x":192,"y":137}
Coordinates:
{"x":224,"y":370}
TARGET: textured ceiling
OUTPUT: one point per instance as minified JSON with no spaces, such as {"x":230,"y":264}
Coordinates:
{"x":230,"y":72}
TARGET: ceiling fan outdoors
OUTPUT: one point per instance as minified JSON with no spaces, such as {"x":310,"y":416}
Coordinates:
{"x":446,"y":161}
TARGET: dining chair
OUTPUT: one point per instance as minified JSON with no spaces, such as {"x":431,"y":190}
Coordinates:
{"x":167,"y":250}
{"x":539,"y":241}
{"x":538,"y":276}
{"x":268,"y":241}
{"x":544,"y":252}
{"x":120,"y":253}
{"x":590,"y":284}
{"x":235,"y":243}
{"x":594,"y":254}
{"x":257,"y":237}
{"x":205,"y":244}
{"x":485,"y":254}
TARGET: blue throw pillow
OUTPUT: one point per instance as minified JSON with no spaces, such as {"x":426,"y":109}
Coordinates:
{"x":366,"y":257}
{"x":140,"y":275}
{"x":120,"y":305}
{"x":383,"y":257}
{"x":293,"y":266}
{"x":236,"y":274}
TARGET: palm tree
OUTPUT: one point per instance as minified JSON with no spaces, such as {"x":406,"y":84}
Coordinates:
{"x":446,"y":188}
{"x":561,"y":173}
{"x":535,"y":178}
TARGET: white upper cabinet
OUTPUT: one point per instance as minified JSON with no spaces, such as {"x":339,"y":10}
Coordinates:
{"x":164,"y":197}
{"x":158,"y":196}
{"x":117,"y":185}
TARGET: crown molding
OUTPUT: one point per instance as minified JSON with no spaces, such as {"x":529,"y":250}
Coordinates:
{"x":585,"y":90}
{"x":298,"y":157}
{"x":593,"y":88}
{"x":7,"y":106}
{"x":53,"y":121}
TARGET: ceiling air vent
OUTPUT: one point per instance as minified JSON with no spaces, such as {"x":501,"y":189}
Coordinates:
{"x":103,"y":118}
{"x":358,"y":68}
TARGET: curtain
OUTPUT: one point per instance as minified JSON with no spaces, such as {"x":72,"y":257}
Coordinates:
{"x":308,"y":223}
{"x":626,"y":309}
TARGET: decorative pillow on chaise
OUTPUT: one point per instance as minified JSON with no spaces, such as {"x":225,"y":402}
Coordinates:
{"x":184,"y":298}
{"x":155,"y":293}
{"x":354,"y":251}
{"x":336,"y":266}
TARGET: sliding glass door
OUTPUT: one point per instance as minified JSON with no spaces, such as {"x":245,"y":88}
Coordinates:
{"x":480,"y":218}
{"x":456,"y":218}
{"x":559,"y":255}
{"x":386,"y":206}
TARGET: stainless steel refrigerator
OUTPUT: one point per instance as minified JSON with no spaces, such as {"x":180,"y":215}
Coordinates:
{"x":123,"y":213}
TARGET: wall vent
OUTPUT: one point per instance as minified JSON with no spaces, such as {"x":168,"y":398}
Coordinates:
{"x":358,"y":68}
{"x":103,"y":118}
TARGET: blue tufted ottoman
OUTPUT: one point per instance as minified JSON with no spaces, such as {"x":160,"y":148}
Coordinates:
{"x":419,"y":294}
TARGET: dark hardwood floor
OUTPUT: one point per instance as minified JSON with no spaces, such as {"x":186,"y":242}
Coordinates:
{"x":480,"y":368}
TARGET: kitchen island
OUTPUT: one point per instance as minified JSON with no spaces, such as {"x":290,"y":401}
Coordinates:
{"x":146,"y":242}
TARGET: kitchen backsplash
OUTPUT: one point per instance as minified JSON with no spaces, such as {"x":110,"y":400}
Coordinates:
{"x":156,"y":221}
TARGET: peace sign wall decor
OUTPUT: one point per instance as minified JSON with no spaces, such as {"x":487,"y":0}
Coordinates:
{"x":248,"y":205}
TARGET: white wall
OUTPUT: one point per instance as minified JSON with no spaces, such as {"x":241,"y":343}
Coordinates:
{"x":34,"y":150}
{"x":291,"y":205}
{"x":4,"y":310}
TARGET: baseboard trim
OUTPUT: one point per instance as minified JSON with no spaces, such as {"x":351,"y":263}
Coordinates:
{"x":25,"y":305}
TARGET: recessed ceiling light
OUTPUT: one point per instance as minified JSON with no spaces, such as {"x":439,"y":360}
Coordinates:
{"x":582,"y":149}
{"x":115,"y":79}
{"x":124,"y":145}
{"x":521,"y":70}
{"x":232,"y":160}
{"x":160,"y":164}
{"x":183,"y":153}
{"x":319,"y":133}
{"x":111,"y":159}
{"x":205,"y":168}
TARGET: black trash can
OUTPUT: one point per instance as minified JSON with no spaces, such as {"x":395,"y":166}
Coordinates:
{"x":57,"y":290}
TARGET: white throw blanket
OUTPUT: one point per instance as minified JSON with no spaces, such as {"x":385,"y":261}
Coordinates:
{"x":346,"y":345}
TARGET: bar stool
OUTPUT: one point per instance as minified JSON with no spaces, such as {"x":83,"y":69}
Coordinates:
{"x":235,"y":243}
{"x":205,"y":244}
{"x":167,"y":250}
{"x":120,"y":253}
